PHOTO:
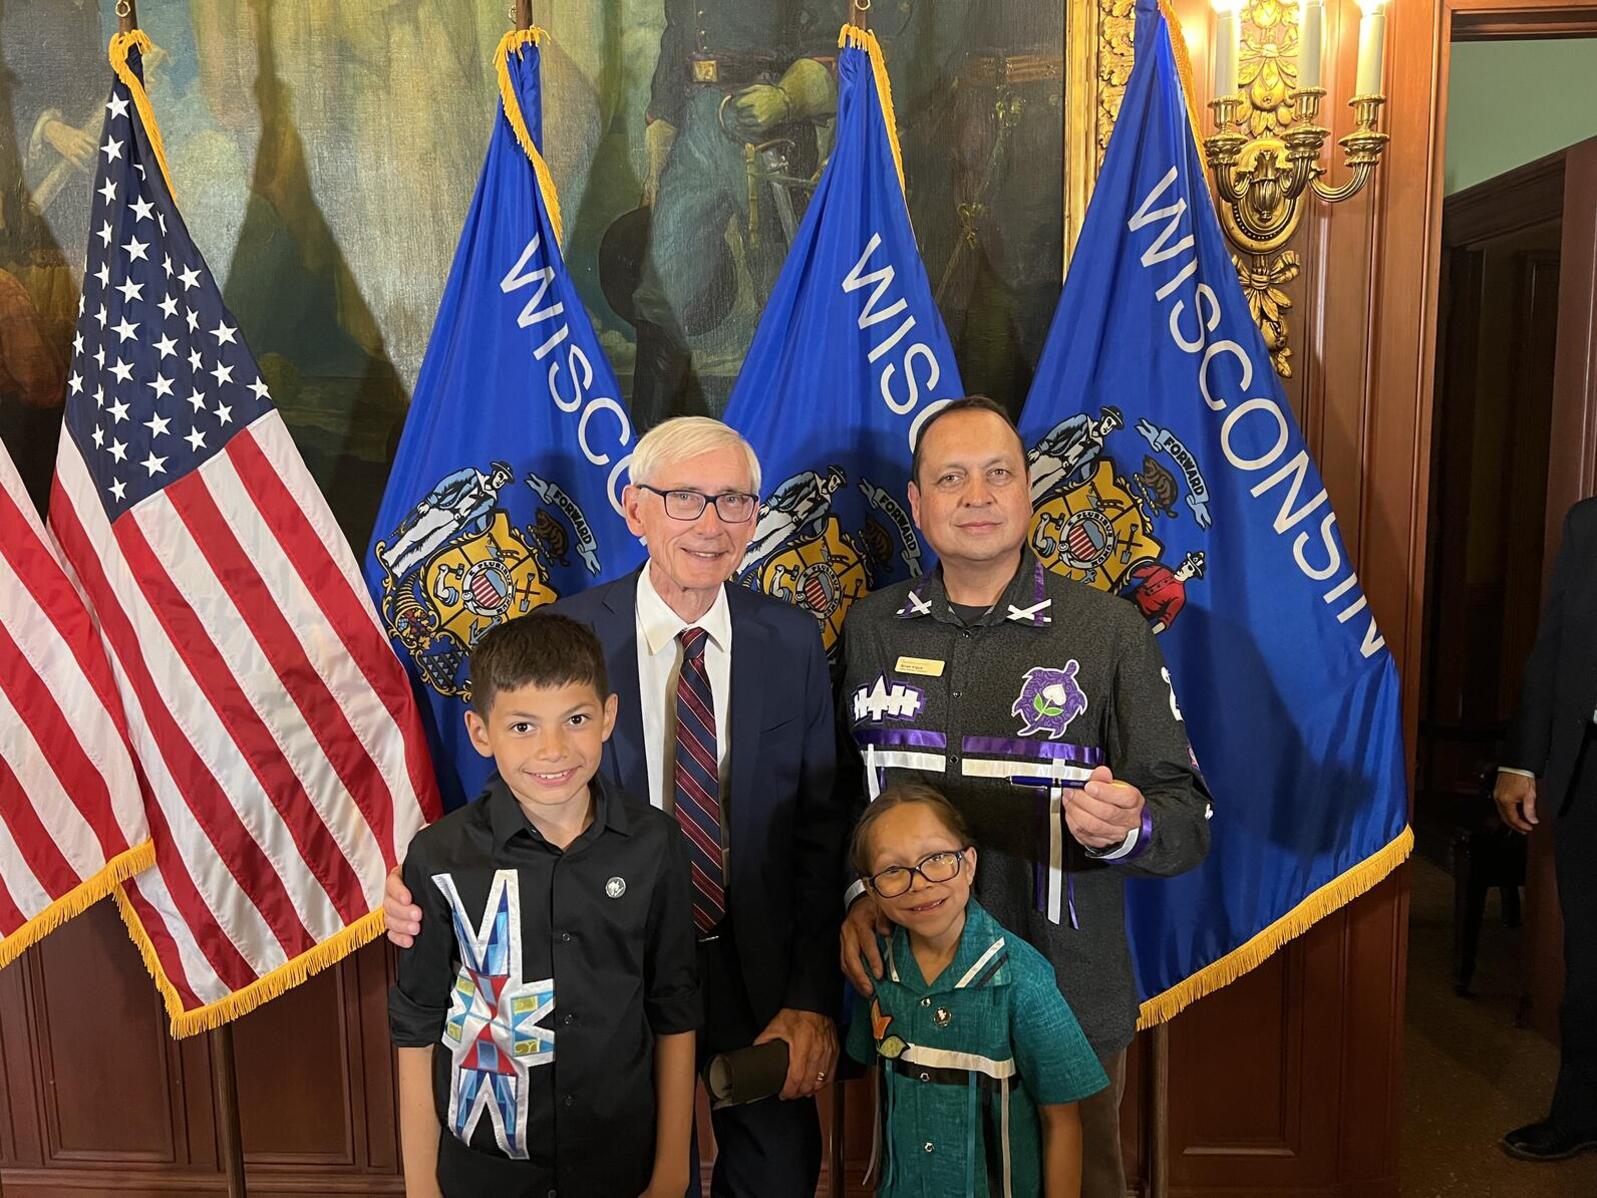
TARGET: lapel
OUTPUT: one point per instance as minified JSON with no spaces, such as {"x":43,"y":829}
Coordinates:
{"x":751,"y":658}
{"x":620,"y":635}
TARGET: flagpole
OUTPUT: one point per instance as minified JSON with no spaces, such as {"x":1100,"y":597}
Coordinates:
{"x":224,"y":1085}
{"x":522,"y":15}
{"x":1159,"y":1113}
{"x":127,"y":16}
{"x":857,"y":13}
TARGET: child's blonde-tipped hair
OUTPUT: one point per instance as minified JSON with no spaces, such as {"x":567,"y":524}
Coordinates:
{"x":684,"y":437}
{"x":897,"y":795}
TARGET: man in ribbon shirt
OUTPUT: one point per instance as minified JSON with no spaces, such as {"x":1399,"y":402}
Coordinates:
{"x":726,"y":719}
{"x":1042,"y":708}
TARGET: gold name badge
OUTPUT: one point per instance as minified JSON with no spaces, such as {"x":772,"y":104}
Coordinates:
{"x":919,"y":665}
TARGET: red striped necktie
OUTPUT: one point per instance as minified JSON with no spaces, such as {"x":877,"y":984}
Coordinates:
{"x":697,"y":782}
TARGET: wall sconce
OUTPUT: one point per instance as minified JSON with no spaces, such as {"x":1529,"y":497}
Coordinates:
{"x":1266,"y":148}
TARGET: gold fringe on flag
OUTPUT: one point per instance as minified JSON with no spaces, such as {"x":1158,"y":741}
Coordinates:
{"x":1338,"y":892}
{"x":864,"y":39}
{"x":121,"y":43}
{"x":77,"y":900}
{"x":241,"y":1002}
{"x":1178,"y":49}
{"x":512,"y":43}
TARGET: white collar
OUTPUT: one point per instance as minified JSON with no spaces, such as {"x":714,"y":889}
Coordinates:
{"x":660,"y":625}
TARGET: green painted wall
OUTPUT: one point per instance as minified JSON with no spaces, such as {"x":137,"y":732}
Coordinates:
{"x":1509,"y":103}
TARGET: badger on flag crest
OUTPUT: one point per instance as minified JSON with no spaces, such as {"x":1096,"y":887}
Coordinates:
{"x":1114,"y":523}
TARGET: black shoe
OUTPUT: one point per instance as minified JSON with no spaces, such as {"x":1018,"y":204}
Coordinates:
{"x":1545,"y":1142}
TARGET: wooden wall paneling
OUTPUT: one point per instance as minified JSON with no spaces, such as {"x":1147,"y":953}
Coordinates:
{"x":1445,"y":685}
{"x":1136,"y":1113}
{"x":1369,"y":1118}
{"x":1533,"y":355}
{"x":294,"y":1076}
{"x":380,"y":1146}
{"x":1528,"y":195}
{"x":1361,"y":390}
{"x":1254,"y":1112}
{"x":20,"y":1132}
{"x":195,"y":1105}
{"x":79,"y":984}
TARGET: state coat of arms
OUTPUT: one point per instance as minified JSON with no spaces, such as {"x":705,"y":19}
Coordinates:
{"x":803,"y":553}
{"x":1094,"y":523}
{"x":459,"y":563}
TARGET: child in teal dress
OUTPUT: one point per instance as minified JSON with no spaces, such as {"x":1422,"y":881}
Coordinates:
{"x":979,"y":1061}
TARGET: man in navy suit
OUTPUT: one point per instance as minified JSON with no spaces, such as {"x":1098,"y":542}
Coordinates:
{"x":1549,"y":771}
{"x":726,"y":719}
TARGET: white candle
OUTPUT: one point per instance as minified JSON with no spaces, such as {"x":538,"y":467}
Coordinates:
{"x":1227,"y":34}
{"x":1311,"y":39}
{"x":1372,"y":46}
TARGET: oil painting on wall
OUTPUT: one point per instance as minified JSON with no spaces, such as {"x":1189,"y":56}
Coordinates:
{"x":324,"y":153}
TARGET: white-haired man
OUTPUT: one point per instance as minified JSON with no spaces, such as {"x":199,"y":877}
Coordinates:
{"x":715,"y":675}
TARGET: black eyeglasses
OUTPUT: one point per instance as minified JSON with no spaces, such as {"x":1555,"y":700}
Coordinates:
{"x":897,"y":879}
{"x":732,"y":506}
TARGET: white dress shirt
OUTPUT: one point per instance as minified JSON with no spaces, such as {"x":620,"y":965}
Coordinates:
{"x":659,"y":664}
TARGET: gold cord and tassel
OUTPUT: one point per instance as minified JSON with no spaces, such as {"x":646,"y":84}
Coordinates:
{"x":512,"y":43}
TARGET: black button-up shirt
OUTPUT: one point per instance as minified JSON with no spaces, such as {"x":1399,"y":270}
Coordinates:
{"x":540,"y":979}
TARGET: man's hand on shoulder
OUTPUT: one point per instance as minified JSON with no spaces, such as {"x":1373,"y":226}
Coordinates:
{"x":403,"y":917}
{"x":1104,"y":811}
{"x":860,"y":957}
{"x":811,"y":1049}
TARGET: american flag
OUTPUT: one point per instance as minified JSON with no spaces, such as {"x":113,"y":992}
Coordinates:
{"x":278,"y":733}
{"x":71,"y":815}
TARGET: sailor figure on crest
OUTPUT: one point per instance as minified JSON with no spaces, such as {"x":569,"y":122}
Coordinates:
{"x":458,"y":563}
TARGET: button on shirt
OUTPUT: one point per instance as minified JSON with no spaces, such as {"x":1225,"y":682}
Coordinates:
{"x":659,"y":665}
{"x":540,"y":979}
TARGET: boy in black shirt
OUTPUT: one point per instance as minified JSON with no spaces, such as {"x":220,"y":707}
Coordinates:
{"x":545,"y":1015}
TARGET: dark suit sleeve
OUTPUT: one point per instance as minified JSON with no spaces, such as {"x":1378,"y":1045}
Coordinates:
{"x":1530,"y":733}
{"x":820,"y":826}
{"x":1148,"y":748}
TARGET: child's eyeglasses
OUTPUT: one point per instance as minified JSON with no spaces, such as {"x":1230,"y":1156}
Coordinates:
{"x":897,"y":879}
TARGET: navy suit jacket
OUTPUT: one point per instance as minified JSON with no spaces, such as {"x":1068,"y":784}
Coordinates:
{"x":784,"y":898}
{"x":1560,"y":686}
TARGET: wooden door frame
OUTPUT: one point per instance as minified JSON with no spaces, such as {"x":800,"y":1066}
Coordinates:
{"x":1572,"y":469}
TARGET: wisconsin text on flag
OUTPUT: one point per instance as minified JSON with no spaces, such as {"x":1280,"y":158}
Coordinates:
{"x":1164,"y":229}
{"x":71,"y":817}
{"x":278,"y":734}
{"x":1166,"y":467}
{"x":505,"y":491}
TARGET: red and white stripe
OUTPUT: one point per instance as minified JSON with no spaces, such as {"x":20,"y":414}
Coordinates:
{"x":278,"y":732}
{"x":69,"y":794}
